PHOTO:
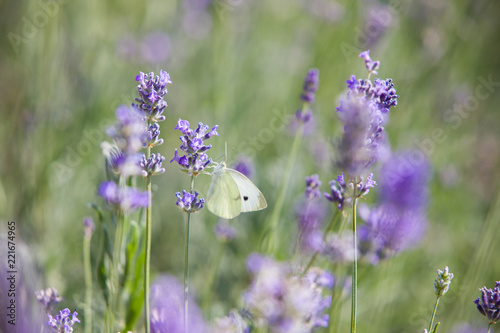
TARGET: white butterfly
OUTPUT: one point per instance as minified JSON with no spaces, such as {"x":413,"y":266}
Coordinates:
{"x":231,"y":193}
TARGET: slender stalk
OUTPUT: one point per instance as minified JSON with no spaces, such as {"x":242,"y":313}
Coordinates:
{"x":271,"y":245}
{"x":489,"y":328}
{"x":88,"y":284}
{"x":147,"y":244}
{"x":433,"y":314}
{"x":186,"y":263}
{"x":114,"y":274}
{"x":354,"y":308}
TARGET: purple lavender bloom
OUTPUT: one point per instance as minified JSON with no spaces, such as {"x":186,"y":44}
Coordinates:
{"x":312,"y":187}
{"x":88,"y":228}
{"x":244,"y":165}
{"x":389,"y":230}
{"x":195,"y":160}
{"x":124,"y":198}
{"x":64,"y":321}
{"x":151,"y":90}
{"x":155,"y":47}
{"x":224,"y":231}
{"x":404,"y":181}
{"x":362,"y":134}
{"x":362,"y":113}
{"x":311,"y":83}
{"x":489,"y":303}
{"x":282,"y":301}
{"x":371,"y":65}
{"x":152,"y":136}
{"x":130,"y":131}
{"x":343,"y":193}
{"x":189,"y":202}
{"x":48,"y":298}
{"x":152,"y":165}
{"x":167,"y":308}
{"x":232,"y":323}
{"x":335,"y":194}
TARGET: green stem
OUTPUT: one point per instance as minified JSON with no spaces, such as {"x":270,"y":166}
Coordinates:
{"x":354,"y":308}
{"x":147,"y":260}
{"x":271,"y":246}
{"x":489,"y":328}
{"x":186,"y":263}
{"x":88,"y":284}
{"x":114,"y":274}
{"x":433,"y":314}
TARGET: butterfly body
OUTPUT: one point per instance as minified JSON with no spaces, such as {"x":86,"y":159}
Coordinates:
{"x":231,"y":193}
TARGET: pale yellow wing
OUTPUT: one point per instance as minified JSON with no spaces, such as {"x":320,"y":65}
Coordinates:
{"x":251,"y":197}
{"x":223,"y":197}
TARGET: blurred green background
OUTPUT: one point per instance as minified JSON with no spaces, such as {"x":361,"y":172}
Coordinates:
{"x":240,"y":64}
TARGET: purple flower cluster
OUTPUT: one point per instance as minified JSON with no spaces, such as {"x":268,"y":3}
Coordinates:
{"x":312,"y":187}
{"x":311,"y":83}
{"x":152,"y":165}
{"x":123,"y":198}
{"x":167,"y":308}
{"x":188,"y":202}
{"x":284,"y":302}
{"x":64,"y":321}
{"x":151,"y":90}
{"x":362,"y":113}
{"x":371,"y":65}
{"x":489,"y":303}
{"x":310,"y":215}
{"x":192,"y":143}
{"x":399,"y":220}
{"x":137,"y":127}
{"x":48,"y":298}
{"x":342,"y":193}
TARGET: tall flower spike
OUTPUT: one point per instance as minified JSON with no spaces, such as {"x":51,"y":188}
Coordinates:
{"x":124,"y":198}
{"x":311,"y":83}
{"x":489,"y":303}
{"x":192,"y":143}
{"x":151,"y":90}
{"x":362,"y":113}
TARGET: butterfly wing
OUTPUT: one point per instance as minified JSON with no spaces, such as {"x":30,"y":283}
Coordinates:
{"x":251,"y":197}
{"x":223,"y":197}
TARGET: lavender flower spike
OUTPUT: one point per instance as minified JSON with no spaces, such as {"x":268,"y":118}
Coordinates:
{"x":192,"y":143}
{"x":189,"y":202}
{"x":48,"y":298}
{"x":371,"y":65}
{"x":311,"y":83}
{"x":63,"y":322}
{"x":152,"y":165}
{"x":151,"y":90}
{"x":489,"y":303}
{"x":312,"y":187}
